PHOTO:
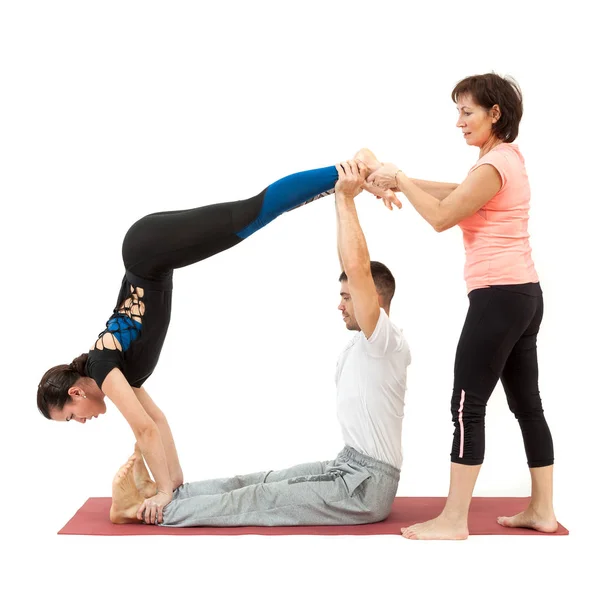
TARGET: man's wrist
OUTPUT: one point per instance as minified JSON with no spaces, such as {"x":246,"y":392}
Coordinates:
{"x":344,"y":197}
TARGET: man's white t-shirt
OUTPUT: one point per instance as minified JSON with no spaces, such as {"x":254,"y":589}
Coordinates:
{"x":371,"y":383}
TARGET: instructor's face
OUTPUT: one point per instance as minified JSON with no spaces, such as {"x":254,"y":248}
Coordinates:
{"x":474,"y":121}
{"x":347,"y":308}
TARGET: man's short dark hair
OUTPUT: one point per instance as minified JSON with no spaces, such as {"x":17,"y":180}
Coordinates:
{"x":383,"y":278}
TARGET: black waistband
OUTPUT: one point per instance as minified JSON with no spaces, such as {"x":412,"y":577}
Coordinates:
{"x":529,"y":289}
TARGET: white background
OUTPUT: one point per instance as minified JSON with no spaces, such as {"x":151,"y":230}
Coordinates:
{"x":112,"y":110}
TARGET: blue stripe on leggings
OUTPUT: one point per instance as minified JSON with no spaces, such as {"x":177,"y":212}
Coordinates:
{"x":290,"y":192}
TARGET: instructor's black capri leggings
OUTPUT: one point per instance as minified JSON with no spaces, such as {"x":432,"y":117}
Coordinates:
{"x":498,"y":341}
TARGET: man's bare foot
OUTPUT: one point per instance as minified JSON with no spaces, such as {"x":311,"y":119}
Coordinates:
{"x":440,"y":528}
{"x":530,"y":519}
{"x":142,"y":478}
{"x":126,"y":499}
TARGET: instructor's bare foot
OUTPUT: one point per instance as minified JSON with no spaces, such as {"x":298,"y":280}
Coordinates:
{"x":440,"y":528}
{"x":142,"y":478}
{"x":126,"y":499}
{"x":530,"y":519}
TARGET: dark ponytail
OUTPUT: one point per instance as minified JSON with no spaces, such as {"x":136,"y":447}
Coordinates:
{"x":78,"y":365}
{"x":53,"y":389}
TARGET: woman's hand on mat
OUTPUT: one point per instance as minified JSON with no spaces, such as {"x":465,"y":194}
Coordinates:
{"x":151,"y":511}
{"x":351,"y":177}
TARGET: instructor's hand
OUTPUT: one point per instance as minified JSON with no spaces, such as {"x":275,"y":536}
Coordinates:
{"x":151,"y":511}
{"x":351,"y":177}
{"x":388,"y":197}
{"x":385,"y":177}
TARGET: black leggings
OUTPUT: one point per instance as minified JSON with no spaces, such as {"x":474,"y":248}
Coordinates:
{"x":498,"y":341}
{"x":161,"y":242}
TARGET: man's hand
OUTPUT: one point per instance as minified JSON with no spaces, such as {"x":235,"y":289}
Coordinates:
{"x":351,"y":177}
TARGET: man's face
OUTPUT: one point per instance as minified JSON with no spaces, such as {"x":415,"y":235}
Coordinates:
{"x":347,"y":308}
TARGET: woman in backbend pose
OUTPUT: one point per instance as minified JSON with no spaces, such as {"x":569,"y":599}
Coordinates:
{"x":127,"y":351}
{"x":498,"y":340}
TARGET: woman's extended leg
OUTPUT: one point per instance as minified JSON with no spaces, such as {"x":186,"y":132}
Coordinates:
{"x":161,"y":242}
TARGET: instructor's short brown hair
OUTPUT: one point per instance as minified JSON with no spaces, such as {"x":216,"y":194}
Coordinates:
{"x":489,"y":89}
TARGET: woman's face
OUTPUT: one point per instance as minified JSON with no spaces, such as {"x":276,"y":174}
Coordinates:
{"x":81,"y":407}
{"x":475,"y":122}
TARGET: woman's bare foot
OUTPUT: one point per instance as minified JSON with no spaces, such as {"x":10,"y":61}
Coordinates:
{"x":530,"y":519}
{"x":440,"y":528}
{"x":365,"y":156}
{"x":142,"y":478}
{"x":126,"y":498}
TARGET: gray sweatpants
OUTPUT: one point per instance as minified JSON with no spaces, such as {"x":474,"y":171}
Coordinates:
{"x":350,"y":490}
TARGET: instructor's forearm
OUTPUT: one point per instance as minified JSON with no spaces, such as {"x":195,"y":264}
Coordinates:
{"x":427,"y":205}
{"x":351,"y":239}
{"x":438,"y":189}
{"x":150,"y":441}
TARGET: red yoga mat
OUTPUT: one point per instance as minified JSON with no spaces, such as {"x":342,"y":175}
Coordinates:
{"x":92,"y":519}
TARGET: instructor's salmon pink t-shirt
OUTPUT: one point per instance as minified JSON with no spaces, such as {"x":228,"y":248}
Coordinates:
{"x":496,"y":237}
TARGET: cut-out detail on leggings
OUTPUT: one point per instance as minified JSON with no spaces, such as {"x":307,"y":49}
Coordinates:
{"x":321,"y":195}
{"x":125,"y":325}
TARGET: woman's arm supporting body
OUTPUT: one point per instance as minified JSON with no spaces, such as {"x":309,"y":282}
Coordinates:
{"x":148,"y":436}
{"x":175,"y":472}
{"x":146,"y":431}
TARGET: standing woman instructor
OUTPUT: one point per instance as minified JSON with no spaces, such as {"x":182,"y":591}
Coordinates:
{"x":498,"y":340}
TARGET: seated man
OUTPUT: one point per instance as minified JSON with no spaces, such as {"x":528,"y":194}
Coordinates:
{"x":359,"y":485}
